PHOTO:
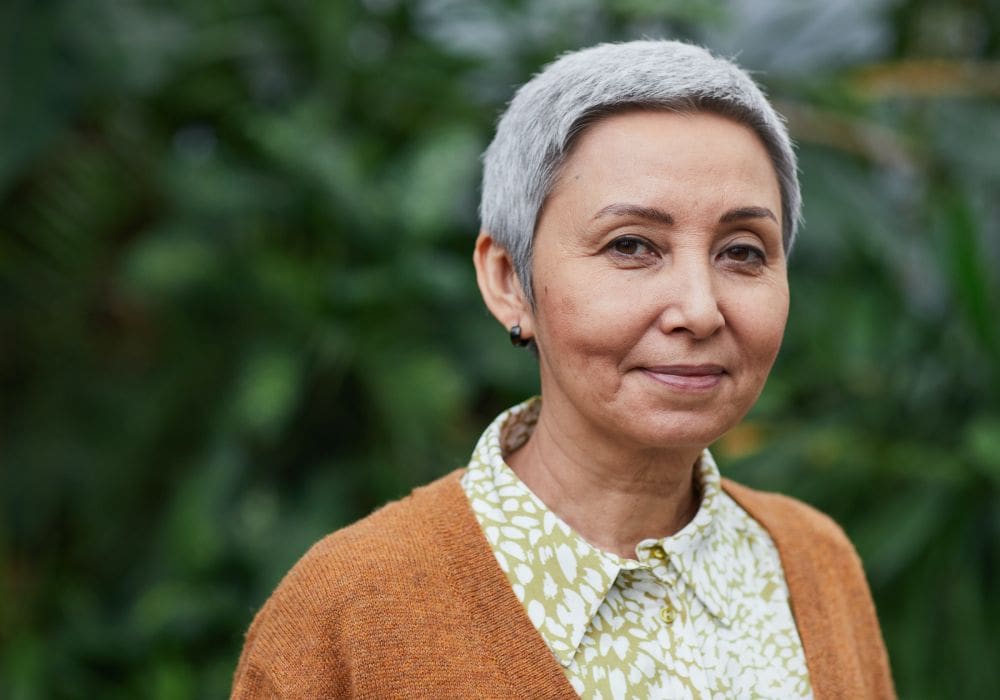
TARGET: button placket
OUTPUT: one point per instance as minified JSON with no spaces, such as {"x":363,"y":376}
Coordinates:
{"x":658,"y":563}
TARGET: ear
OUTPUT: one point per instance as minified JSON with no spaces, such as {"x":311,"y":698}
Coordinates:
{"x":499,"y":285}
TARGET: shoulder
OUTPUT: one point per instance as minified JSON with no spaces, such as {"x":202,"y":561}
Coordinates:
{"x":390,"y":542}
{"x":818,"y":559}
{"x":809,"y":542}
{"x":829,"y":595}
{"x":347,"y":577}
{"x":783,"y":516}
{"x":405,"y":524}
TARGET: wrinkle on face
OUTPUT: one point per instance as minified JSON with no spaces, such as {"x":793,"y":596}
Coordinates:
{"x":688,"y":184}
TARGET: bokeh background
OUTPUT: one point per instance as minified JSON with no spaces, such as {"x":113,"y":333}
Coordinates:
{"x":237,"y":308}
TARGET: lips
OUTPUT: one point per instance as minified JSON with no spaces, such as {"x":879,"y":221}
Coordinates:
{"x":687,"y":377}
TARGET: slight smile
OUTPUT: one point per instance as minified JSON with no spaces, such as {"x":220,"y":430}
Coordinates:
{"x":687,"y":377}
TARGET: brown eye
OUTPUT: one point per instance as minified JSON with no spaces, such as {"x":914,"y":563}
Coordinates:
{"x":629,"y":246}
{"x":740,"y":253}
{"x":744,"y":254}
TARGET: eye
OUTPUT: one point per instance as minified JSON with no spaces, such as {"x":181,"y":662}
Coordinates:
{"x":630,"y":247}
{"x":744,"y":255}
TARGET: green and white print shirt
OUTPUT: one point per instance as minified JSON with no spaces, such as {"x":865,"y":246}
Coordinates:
{"x":703,"y":613}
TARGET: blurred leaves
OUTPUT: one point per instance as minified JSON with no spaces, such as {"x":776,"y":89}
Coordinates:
{"x":237,"y":309}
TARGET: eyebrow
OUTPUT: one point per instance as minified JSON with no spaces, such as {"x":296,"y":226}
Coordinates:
{"x":741,"y":213}
{"x":649,"y":213}
{"x":661,"y":217}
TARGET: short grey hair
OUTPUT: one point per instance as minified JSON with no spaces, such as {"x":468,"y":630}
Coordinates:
{"x":535,"y":134}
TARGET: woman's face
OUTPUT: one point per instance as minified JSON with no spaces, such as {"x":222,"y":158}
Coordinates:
{"x":660,"y":280}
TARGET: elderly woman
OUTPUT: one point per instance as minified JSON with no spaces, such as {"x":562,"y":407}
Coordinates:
{"x":639,"y":202}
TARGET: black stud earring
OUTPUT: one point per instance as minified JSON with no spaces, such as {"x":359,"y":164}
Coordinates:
{"x":515,"y":336}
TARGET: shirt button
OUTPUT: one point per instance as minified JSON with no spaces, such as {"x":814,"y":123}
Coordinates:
{"x":668,"y":614}
{"x":657,"y":552}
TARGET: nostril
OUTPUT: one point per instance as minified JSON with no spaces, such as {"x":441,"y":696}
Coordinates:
{"x":694,"y":310}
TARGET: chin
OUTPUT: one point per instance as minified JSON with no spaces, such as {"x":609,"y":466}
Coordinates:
{"x":681,"y":432}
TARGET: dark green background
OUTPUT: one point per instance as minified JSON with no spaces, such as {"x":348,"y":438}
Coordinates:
{"x":237,"y":308}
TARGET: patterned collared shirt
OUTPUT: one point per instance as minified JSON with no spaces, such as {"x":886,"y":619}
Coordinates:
{"x":703,"y":613}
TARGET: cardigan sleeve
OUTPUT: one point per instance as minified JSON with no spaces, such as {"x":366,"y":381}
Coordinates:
{"x":250,"y":683}
{"x":292,"y":647}
{"x":409,"y":602}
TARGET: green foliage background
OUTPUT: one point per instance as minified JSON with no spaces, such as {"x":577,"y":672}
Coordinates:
{"x":237,"y":308}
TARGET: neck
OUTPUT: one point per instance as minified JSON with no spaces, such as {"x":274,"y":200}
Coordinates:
{"x":612,"y":497}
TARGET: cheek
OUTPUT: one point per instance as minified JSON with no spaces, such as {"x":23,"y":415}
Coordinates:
{"x":564,"y":320}
{"x":761,"y":326}
{"x":583,"y":321}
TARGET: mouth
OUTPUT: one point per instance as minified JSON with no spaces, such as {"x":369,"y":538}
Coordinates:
{"x":687,"y":377}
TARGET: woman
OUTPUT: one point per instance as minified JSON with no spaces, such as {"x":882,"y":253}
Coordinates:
{"x":639,"y":202}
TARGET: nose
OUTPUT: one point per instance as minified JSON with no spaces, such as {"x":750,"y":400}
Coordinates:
{"x":690,"y":302}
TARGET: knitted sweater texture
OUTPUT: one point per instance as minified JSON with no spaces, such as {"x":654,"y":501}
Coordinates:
{"x":411,"y":603}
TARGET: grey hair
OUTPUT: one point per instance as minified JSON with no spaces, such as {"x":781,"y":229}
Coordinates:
{"x":535,"y":134}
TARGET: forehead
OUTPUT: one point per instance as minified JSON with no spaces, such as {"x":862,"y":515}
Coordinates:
{"x":668,"y":158}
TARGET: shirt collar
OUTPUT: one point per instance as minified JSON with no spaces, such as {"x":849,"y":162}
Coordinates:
{"x":570,"y":578}
{"x":561,"y":577}
{"x":702,"y":546}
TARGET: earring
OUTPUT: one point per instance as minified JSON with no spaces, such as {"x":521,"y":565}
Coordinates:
{"x":515,"y":336}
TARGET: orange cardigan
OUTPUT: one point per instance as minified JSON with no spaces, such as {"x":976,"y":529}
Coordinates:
{"x":411,"y":603}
